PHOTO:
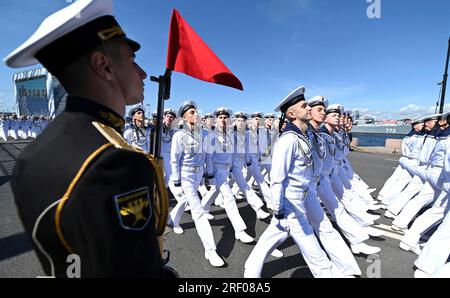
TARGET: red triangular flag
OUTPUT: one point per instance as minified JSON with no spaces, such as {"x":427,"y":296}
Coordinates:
{"x":189,"y":54}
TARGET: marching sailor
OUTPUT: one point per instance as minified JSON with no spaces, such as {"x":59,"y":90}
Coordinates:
{"x":166,"y":144}
{"x":343,"y":192}
{"x":402,"y":174}
{"x":221,"y":155}
{"x":4,"y":127}
{"x":352,"y":230}
{"x":187,"y":160}
{"x":269,"y":135}
{"x":434,"y":215}
{"x":418,"y":182}
{"x":291,"y":174}
{"x":240,"y":154}
{"x":138,"y":134}
{"x":431,"y":174}
{"x":255,"y":150}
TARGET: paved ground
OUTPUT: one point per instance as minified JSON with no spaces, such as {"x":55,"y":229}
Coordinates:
{"x":18,"y":260}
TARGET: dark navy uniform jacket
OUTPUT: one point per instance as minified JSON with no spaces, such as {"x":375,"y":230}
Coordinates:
{"x":108,"y":218}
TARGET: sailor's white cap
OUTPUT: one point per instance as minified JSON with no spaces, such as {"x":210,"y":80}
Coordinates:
{"x":68,"y":34}
{"x":318,"y":100}
{"x":445,"y":115}
{"x":241,"y":114}
{"x":335,"y":108}
{"x":135,"y":108}
{"x":294,"y":97}
{"x":257,"y":114}
{"x":432,"y":117}
{"x":171,"y":112}
{"x":222,"y":111}
{"x":207,"y":115}
{"x":269,"y":115}
{"x":188,"y":104}
{"x":417,"y":121}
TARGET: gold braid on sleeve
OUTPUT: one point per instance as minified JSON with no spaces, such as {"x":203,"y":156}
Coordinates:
{"x":161,"y":208}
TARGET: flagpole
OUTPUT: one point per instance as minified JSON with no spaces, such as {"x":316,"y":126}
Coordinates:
{"x":444,"y":81}
{"x":162,"y":204}
{"x":164,"y":83}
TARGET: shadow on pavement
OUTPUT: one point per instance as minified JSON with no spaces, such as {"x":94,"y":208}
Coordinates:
{"x":14,"y":245}
{"x":4,"y":179}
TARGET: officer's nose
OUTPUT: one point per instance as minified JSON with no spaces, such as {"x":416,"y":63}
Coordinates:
{"x":142,"y":73}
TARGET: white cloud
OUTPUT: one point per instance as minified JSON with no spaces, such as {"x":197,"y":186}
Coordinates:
{"x":281,"y":12}
{"x":411,"y":111}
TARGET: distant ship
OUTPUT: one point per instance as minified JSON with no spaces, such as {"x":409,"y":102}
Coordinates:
{"x":368,"y":125}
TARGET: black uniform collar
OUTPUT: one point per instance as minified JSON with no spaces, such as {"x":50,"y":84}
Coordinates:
{"x":103,"y":114}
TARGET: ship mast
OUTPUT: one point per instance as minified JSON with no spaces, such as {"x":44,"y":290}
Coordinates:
{"x":444,"y":81}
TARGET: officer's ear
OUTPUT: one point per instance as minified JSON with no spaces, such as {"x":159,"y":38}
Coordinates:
{"x":100,"y":64}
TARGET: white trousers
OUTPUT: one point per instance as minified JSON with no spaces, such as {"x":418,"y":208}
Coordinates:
{"x":252,"y":198}
{"x":358,"y":188}
{"x":426,"y":196}
{"x":331,"y":240}
{"x":427,"y":220}
{"x":390,"y":181}
{"x":429,"y":193}
{"x":389,"y":194}
{"x":254,"y":171}
{"x":189,"y":184}
{"x":167,"y":167}
{"x":346,"y":197}
{"x":265,"y":170}
{"x":221,"y":176}
{"x":351,"y":174}
{"x":413,"y":188}
{"x":442,"y":272}
{"x":351,"y":229}
{"x":303,"y":235}
{"x":436,"y":251}
{"x":4,"y":134}
{"x":13,"y":134}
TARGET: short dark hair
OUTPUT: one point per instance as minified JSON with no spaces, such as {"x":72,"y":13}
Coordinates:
{"x":75,"y":72}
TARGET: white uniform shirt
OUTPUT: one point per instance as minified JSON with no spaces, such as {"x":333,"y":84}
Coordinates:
{"x":188,"y":151}
{"x":138,"y":137}
{"x":291,"y":168}
{"x":240,"y":150}
{"x":222,"y":147}
{"x":166,"y":140}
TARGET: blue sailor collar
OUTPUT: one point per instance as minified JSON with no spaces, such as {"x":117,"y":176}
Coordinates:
{"x":292,"y":128}
{"x":411,"y":133}
{"x":324,"y":129}
{"x":443,"y":133}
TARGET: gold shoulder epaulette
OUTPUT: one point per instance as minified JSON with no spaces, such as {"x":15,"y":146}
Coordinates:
{"x":114,"y":137}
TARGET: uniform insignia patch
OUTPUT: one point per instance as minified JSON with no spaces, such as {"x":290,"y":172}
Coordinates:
{"x":134,"y":209}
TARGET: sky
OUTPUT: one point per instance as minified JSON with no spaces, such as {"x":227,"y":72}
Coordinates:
{"x":386,"y":67}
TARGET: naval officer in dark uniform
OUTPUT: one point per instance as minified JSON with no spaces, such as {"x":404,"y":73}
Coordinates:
{"x":76,"y":187}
